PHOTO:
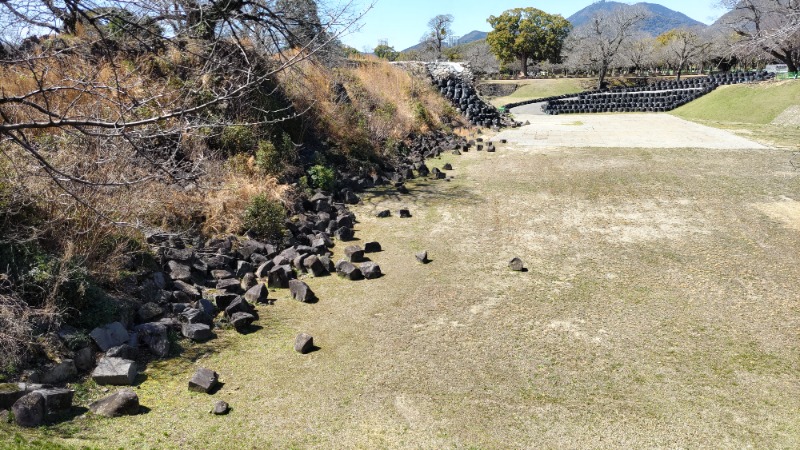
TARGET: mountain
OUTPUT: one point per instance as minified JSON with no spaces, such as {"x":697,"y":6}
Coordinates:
{"x":472,"y":36}
{"x":661,"y":18}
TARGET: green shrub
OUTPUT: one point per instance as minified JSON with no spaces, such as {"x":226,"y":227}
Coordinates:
{"x":274,"y":158}
{"x":322,"y":177}
{"x":264,"y":218}
{"x":236,"y":139}
{"x":421,"y":114}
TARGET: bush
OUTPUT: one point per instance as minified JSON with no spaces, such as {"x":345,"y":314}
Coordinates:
{"x":236,"y":139}
{"x":274,"y":159}
{"x":322,"y":177}
{"x":264,"y":219}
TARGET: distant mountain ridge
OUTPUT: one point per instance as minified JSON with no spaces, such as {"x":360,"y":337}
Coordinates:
{"x":472,"y":36}
{"x":661,"y":20}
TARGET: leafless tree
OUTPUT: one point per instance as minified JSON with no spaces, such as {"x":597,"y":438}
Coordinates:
{"x":638,"y":52}
{"x":769,"y":26}
{"x":70,"y":78}
{"x":683,"y":46}
{"x":438,"y":32}
{"x":596,"y":45}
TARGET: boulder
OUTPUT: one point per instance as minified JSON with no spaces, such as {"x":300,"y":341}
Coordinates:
{"x":196,"y":331}
{"x":516,"y":265}
{"x":372,"y":247}
{"x":123,"y":351}
{"x":423,"y":170}
{"x":383,"y":214}
{"x":149,"y":312}
{"x":257,"y":294}
{"x":10,"y":393}
{"x":404,"y":213}
{"x":188,"y":289}
{"x":242,"y":268}
{"x":239,"y":305}
{"x":182,"y":255}
{"x":370,"y":270}
{"x":422,"y":257}
{"x":109,"y":335}
{"x":402,"y":189}
{"x":241,"y":321}
{"x":154,"y":336}
{"x":84,"y":359}
{"x":303,"y":343}
{"x":121,"y":403}
{"x":115,"y":371}
{"x":194,"y":315}
{"x":221,"y":274}
{"x":343,"y":234}
{"x":248,"y":280}
{"x":313,"y":265}
{"x":354,"y":253}
{"x":207,"y":307}
{"x":220,"y":408}
{"x":61,"y":373}
{"x":447,"y":166}
{"x":278,"y":277}
{"x":56,"y":400}
{"x":264,"y":268}
{"x":224,"y":300}
{"x":29,"y":410}
{"x":301,"y":292}
{"x":346,"y":269}
{"x":229,"y":285}
{"x":204,"y":380}
{"x":178,"y":271}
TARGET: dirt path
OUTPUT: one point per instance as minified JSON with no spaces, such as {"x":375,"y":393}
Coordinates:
{"x":659,"y":310}
{"x":618,"y":130}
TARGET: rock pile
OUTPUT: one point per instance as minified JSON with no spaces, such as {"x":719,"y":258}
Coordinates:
{"x":465,"y":98}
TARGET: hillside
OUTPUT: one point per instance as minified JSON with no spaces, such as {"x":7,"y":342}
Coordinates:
{"x":759,"y":104}
{"x":468,"y":38}
{"x":662,"y":18}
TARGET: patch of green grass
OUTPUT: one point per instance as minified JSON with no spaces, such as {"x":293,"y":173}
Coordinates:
{"x":531,"y":89}
{"x":751,"y":104}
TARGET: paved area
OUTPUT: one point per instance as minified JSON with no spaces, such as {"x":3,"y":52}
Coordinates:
{"x":634,"y":130}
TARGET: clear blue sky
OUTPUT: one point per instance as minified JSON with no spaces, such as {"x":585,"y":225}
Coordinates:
{"x":403,"y":22}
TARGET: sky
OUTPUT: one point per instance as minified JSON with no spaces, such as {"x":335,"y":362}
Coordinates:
{"x":403,"y":22}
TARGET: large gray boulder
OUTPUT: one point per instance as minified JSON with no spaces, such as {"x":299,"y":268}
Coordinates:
{"x":10,"y":393}
{"x":516,"y":265}
{"x":154,"y":336}
{"x":61,"y":373}
{"x":121,"y":403}
{"x":204,"y":380}
{"x":257,"y":294}
{"x":110,"y":335}
{"x":346,"y":269}
{"x":303,"y":343}
{"x":370,"y":270}
{"x":123,"y":351}
{"x":354,"y":253}
{"x":114,"y":371}
{"x":313,"y":265}
{"x":242,"y":321}
{"x":56,"y":400}
{"x":196,"y":331}
{"x":29,"y":410}
{"x":301,"y":292}
{"x":84,"y":359}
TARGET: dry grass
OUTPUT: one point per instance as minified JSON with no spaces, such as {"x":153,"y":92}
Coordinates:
{"x":657,"y":312}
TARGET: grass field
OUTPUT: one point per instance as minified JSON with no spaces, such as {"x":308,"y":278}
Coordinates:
{"x":659,"y":311}
{"x":531,"y":89}
{"x":758,"y":104}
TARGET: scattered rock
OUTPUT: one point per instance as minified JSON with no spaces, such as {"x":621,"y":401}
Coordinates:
{"x":257,"y":294}
{"x":204,"y":380}
{"x":221,"y":274}
{"x":123,"y":351}
{"x":84,"y":359}
{"x":188,"y":289}
{"x":154,"y":336}
{"x":196,"y":331}
{"x":314,"y":265}
{"x":346,"y":269}
{"x":110,"y":335}
{"x":402,"y":189}
{"x":29,"y":410}
{"x":404,"y":213}
{"x":56,"y":400}
{"x":303,"y":343}
{"x":114,"y":371}
{"x":383,"y":214}
{"x":370,"y":270}
{"x":354,"y":253}
{"x":220,"y":408}
{"x":239,"y":304}
{"x":121,"y":403}
{"x":10,"y":393}
{"x":61,"y":373}
{"x":301,"y":292}
{"x":242,"y":321}
{"x":149,"y":312}
{"x":516,"y":265}
{"x":422,"y":257}
{"x":447,"y":166}
{"x":248,"y":280}
{"x":372,"y":247}
{"x":229,"y":285}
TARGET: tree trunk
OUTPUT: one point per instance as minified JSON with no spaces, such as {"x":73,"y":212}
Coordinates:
{"x":524,"y":61}
{"x":602,"y":78}
{"x":680,"y":69}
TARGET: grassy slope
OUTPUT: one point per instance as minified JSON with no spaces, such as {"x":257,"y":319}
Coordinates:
{"x":751,"y":104}
{"x":530,"y":89}
{"x":655,"y":314}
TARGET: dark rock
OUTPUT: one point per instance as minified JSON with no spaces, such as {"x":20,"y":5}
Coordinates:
{"x":370,"y":270}
{"x":242,"y":268}
{"x":121,"y":403}
{"x":181,"y":297}
{"x":109,"y":335}
{"x":354,"y":253}
{"x":224,"y":300}
{"x":404,"y":213}
{"x":239,"y":305}
{"x":29,"y":410}
{"x":61,"y":373}
{"x":182,"y":255}
{"x":516,"y":265}
{"x":447,"y":166}
{"x":314,"y":265}
{"x":423,"y":170}
{"x":301,"y":292}
{"x":257,"y":259}
{"x":257,"y":294}
{"x":303,"y":343}
{"x":372,"y":247}
{"x":230,"y":285}
{"x":220,"y":408}
{"x":349,"y":197}
{"x":207,"y":307}
{"x":204,"y":380}
{"x":116,"y":371}
{"x":221,"y":274}
{"x":248,"y":281}
{"x":155,"y":337}
{"x":84,"y":359}
{"x":10,"y":393}
{"x":383,"y":214}
{"x":248,"y":247}
{"x":278,"y":278}
{"x":194,"y":315}
{"x":422,"y":257}
{"x":264,"y":268}
{"x":346,"y":269}
{"x":178,"y":271}
{"x":241,"y":321}
{"x":402,"y":189}
{"x":196,"y":331}
{"x":149,"y":312}
{"x":327,"y":263}
{"x":187,"y":289}
{"x":160,"y":280}
{"x":343,"y":234}
{"x":56,"y":400}
{"x":123,"y":351}
{"x":218,"y":262}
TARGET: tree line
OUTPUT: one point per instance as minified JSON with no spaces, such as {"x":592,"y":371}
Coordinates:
{"x":754,"y":33}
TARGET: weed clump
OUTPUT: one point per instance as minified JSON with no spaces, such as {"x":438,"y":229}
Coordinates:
{"x":264,"y":218}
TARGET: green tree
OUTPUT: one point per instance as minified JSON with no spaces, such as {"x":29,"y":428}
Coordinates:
{"x":385,"y":52}
{"x":527,"y":34}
